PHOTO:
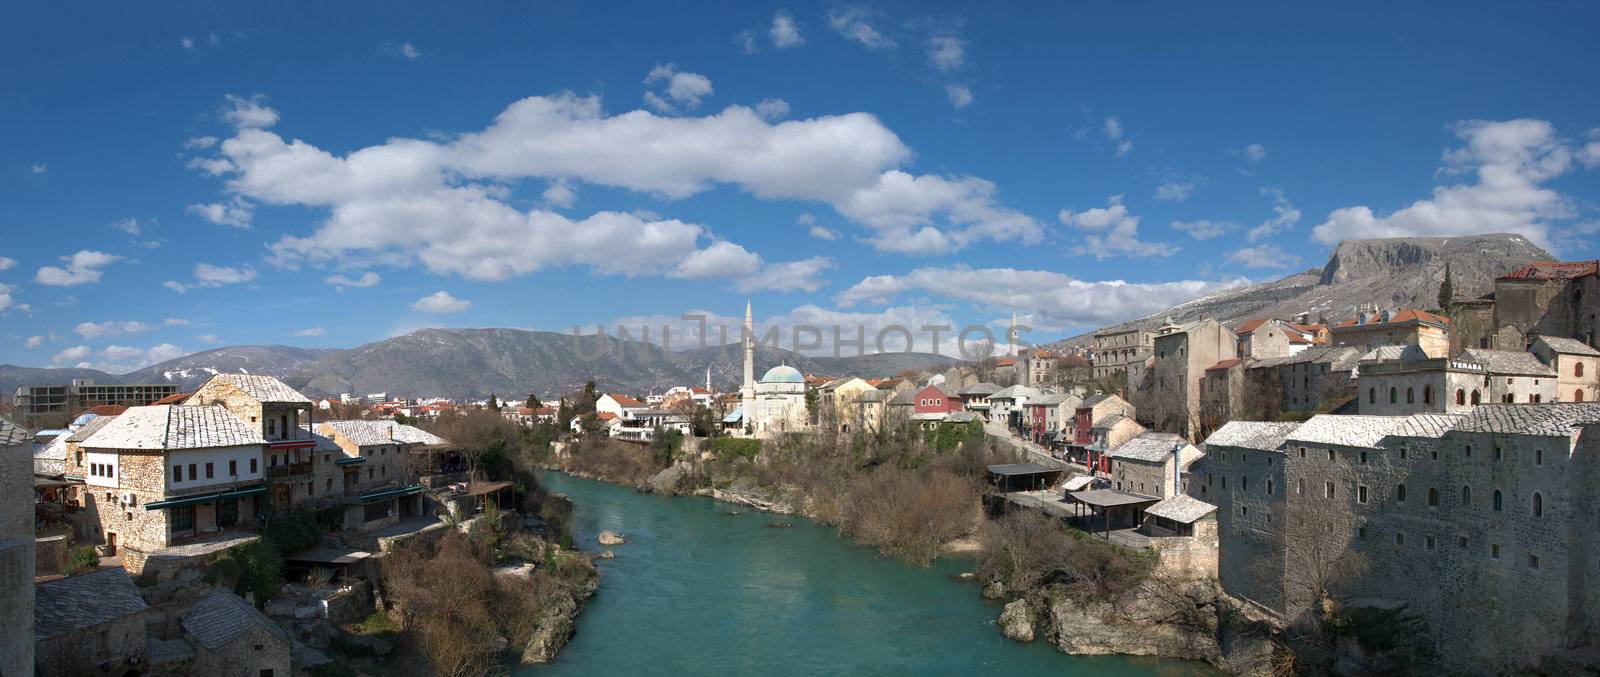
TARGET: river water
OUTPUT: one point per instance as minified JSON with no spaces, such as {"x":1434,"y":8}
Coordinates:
{"x":698,"y":591}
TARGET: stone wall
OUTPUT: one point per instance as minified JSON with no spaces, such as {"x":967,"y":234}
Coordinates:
{"x":1250,"y":561}
{"x":83,"y":651}
{"x":241,"y":657}
{"x":1189,"y":558}
{"x":16,"y":561}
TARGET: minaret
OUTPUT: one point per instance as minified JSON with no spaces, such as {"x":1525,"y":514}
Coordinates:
{"x":708,"y":379}
{"x":747,"y":392}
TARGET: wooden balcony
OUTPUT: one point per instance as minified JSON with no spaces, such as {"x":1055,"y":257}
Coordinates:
{"x":276,"y":472}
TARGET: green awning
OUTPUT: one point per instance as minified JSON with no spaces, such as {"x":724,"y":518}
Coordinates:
{"x":205,"y":498}
{"x":390,"y":493}
{"x":353,"y":460}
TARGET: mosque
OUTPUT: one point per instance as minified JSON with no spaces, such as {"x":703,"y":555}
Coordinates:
{"x":777,"y":403}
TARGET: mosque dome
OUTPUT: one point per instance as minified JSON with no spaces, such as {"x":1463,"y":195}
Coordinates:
{"x":83,"y":420}
{"x":783,"y":374}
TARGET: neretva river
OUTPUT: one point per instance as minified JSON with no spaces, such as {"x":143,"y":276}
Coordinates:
{"x":697,"y":591}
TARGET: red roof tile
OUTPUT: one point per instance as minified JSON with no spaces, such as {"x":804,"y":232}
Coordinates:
{"x":1554,"y":270}
{"x":176,"y":398}
{"x":1225,"y":364}
{"x":1251,"y":325}
{"x":625,"y":401}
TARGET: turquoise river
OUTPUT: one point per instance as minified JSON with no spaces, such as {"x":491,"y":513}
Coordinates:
{"x":699,"y":591}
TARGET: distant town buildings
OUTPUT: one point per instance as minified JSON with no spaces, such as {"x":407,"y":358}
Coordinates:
{"x":38,"y":402}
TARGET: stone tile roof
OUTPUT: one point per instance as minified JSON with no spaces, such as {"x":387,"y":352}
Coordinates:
{"x":263,"y":388}
{"x":370,"y":433}
{"x":1181,"y":508}
{"x":871,"y":396}
{"x":1109,"y":420}
{"x":960,"y":417}
{"x":221,"y":617}
{"x":84,"y":601}
{"x":158,"y":652}
{"x":1050,"y":400}
{"x":905,"y":398}
{"x":1508,"y":361}
{"x":1567,"y":346}
{"x":173,"y":426}
{"x":980,"y":389}
{"x":11,"y":435}
{"x":1367,"y":431}
{"x":1546,"y":420}
{"x":1340,"y":357}
{"x":1014,"y":392}
{"x":1150,"y":447}
{"x":1405,"y":353}
{"x":324,"y":443}
{"x":93,"y":426}
{"x":1259,"y":435}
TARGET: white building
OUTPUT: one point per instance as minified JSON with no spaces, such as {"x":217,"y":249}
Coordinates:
{"x":777,"y":404}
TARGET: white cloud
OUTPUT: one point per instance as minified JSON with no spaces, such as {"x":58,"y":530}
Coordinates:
{"x":33,"y":342}
{"x":82,"y":268}
{"x":249,"y":113}
{"x":186,"y":42}
{"x":746,"y":40}
{"x":772,"y":109}
{"x":200,"y":143}
{"x":683,"y":89}
{"x":1254,"y":152}
{"x":70,"y":355}
{"x":209,"y":338}
{"x":1512,"y":160}
{"x":823,"y":233}
{"x":1112,"y":128}
{"x":1052,"y":300}
{"x":724,"y":330}
{"x":7,"y":264}
{"x":175,"y":322}
{"x":946,"y":53}
{"x":785,"y":33}
{"x":441,"y":302}
{"x":409,"y":51}
{"x":6,"y":301}
{"x":445,"y":204}
{"x":1264,"y":256}
{"x":237,"y":214}
{"x":93,"y":330}
{"x":788,"y":276}
{"x":560,"y":193}
{"x":311,"y":331}
{"x":1175,"y":191}
{"x":1114,"y":232}
{"x":1589,"y":155}
{"x":856,"y":24}
{"x":721,"y":259}
{"x":1202,"y":229}
{"x":127,"y":358}
{"x":1284,"y":216}
{"x":750,"y":272}
{"x":960,"y":95}
{"x":367,"y":279}
{"x":128,"y":225}
{"x":39,"y":169}
{"x":209,"y":275}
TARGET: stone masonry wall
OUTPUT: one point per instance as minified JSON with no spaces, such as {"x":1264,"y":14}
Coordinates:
{"x":16,"y":561}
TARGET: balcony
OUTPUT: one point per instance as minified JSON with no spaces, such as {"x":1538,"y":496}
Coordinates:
{"x":288,"y":470}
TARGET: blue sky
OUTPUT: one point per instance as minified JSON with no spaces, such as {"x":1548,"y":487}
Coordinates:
{"x":180,"y":177}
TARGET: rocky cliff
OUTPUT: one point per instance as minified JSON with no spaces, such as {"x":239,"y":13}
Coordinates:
{"x":1391,"y":272}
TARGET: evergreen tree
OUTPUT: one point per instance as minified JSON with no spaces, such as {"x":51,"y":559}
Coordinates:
{"x":533,"y":402}
{"x":494,"y":403}
{"x":1447,"y":292}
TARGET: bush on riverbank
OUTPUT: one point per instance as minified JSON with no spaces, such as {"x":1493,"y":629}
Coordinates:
{"x":910,"y":515}
{"x":1025,"y":550}
{"x":613,"y":460}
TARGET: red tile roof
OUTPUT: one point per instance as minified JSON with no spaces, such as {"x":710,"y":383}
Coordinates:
{"x":1399,"y":317}
{"x":1251,"y":325}
{"x":1006,"y":362}
{"x":625,"y":401}
{"x":605,"y":416}
{"x":1075,"y":361}
{"x":176,"y":398}
{"x":1554,"y":270}
{"x":1225,"y":364}
{"x":105,"y":410}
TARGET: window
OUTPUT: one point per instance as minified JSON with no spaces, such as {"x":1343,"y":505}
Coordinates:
{"x":1361,"y":532}
{"x":1302,"y":452}
{"x":1399,"y":538}
{"x":1363,"y":458}
{"x":1434,"y":454}
{"x":1433,"y":498}
{"x":1400,"y":493}
{"x":1300,"y":487}
{"x":1327,"y":490}
{"x":1244,"y":510}
{"x":1463,"y":542}
{"x":1496,"y":501}
{"x":1538,"y":457}
{"x":1577,"y":395}
{"x":1411,"y":396}
{"x":1372,"y":395}
{"x":233,"y":466}
{"x":1468,"y":453}
{"x":1498,"y":453}
{"x":192,"y":474}
{"x":1330,"y":454}
{"x":1538,"y":505}
{"x":210,"y":473}
{"x":1402,"y":453}
{"x":1466,"y":496}
{"x":177,"y":473}
{"x":1494,"y":551}
{"x":1427,"y":394}
{"x":1244,"y":484}
{"x":1475,"y":397}
{"x":1577,"y":369}
{"x":1461,"y":397}
{"x":1427,"y":542}
{"x":1394,"y":395}
{"x":1533,"y":561}
{"x":1269,"y":487}
{"x":182,"y":517}
{"x":1361,"y":494}
{"x":252,"y":466}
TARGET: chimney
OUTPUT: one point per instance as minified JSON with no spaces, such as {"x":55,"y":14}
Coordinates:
{"x":1177,"y":468}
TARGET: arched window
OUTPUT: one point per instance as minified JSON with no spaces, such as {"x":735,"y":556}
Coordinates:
{"x":1475,"y":398}
{"x":1577,"y":369}
{"x":1433,"y":498}
{"x":1466,"y":496}
{"x":1372,"y":395}
{"x":1400,"y":493}
{"x":1427,"y":394}
{"x":1535,"y":398}
{"x":1577,"y":395}
{"x":1538,"y":505}
{"x":1461,"y":397}
{"x":1497,"y":500}
{"x":1411,"y":395}
{"x":1394,"y":395}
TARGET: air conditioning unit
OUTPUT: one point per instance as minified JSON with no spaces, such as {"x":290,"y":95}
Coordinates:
{"x":128,"y":498}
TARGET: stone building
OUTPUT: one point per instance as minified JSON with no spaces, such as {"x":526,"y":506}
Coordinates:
{"x":1574,"y":362}
{"x":17,"y":558}
{"x":1547,"y":298}
{"x":1222,"y":393}
{"x":976,"y":397}
{"x":1399,"y":380}
{"x":1372,"y":328}
{"x":841,"y":399}
{"x":867,"y":410}
{"x":280,"y":414}
{"x":1115,"y":350}
{"x":163,"y":474}
{"x":231,"y":637}
{"x":1450,"y":515}
{"x":1268,"y":337}
{"x":1169,"y":400}
{"x":1006,"y":404}
{"x":1315,"y":379}
{"x":372,"y":473}
{"x":1051,"y":415}
{"x":90,"y":623}
{"x":1039,"y":368}
{"x":1152,"y":464}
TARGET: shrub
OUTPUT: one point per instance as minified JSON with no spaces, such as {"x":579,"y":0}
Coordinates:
{"x":260,"y":569}
{"x":82,"y":558}
{"x":292,"y":531}
{"x":911,"y":515}
{"x":1024,"y":550}
{"x":728,"y":449}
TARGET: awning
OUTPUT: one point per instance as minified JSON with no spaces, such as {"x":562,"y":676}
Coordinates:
{"x":353,"y":460}
{"x":1110,"y":498}
{"x":46,"y":482}
{"x":734,"y":416}
{"x":205,"y":498}
{"x":1078,"y":483}
{"x":390,"y":493}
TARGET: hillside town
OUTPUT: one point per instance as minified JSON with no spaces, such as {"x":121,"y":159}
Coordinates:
{"x":1296,"y":463}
